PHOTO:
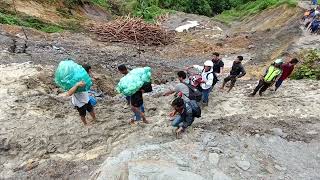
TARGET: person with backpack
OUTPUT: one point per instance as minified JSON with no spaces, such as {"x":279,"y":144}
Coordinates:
{"x":180,"y":87}
{"x":287,"y":69}
{"x":186,"y":112}
{"x":207,"y":80}
{"x":184,"y":89}
{"x":270,"y":76}
{"x":217,"y":67}
{"x":237,"y":71}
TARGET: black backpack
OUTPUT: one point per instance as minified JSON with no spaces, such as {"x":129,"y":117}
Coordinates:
{"x":196,"y":110}
{"x":147,"y":87}
{"x":194,"y":93}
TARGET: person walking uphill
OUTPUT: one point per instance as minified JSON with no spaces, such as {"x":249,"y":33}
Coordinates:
{"x":207,"y":79}
{"x":237,"y":71}
{"x":137,"y":106}
{"x":287,"y":69}
{"x":81,"y":100}
{"x":181,"y":87}
{"x":217,"y":67}
{"x":186,"y":111}
{"x":123,"y":70}
{"x":270,"y":76}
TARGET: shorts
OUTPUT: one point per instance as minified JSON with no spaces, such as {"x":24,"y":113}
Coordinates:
{"x":233,"y":80}
{"x":83,"y":110}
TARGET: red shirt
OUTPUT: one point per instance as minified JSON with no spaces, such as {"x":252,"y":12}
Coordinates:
{"x":286,"y":71}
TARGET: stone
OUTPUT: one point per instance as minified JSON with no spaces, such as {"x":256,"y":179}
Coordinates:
{"x":312,"y":132}
{"x":251,"y":46}
{"x":158,"y":170}
{"x":244,"y":165}
{"x":278,"y":132}
{"x":215,"y":150}
{"x":219,"y":175}
{"x":31,"y":164}
{"x":279,"y":168}
{"x":214,"y":158}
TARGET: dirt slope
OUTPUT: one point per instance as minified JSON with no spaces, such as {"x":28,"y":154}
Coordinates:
{"x":271,"y":137}
{"x":44,"y":138}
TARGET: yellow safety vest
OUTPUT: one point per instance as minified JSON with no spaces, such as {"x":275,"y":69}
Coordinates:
{"x":272,"y":73}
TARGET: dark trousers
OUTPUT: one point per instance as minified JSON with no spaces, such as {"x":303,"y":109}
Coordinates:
{"x":278,"y":84}
{"x":215,"y":80}
{"x":231,"y":78}
{"x":261,"y":87}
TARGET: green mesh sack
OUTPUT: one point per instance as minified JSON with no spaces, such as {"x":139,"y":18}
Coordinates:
{"x":134,"y":80}
{"x":69,"y":74}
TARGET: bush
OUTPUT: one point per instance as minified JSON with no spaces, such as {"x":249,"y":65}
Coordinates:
{"x":310,"y":67}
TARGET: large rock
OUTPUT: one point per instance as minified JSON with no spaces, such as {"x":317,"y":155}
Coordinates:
{"x":244,"y":165}
{"x":214,"y":158}
{"x":158,"y":170}
{"x":219,"y":175}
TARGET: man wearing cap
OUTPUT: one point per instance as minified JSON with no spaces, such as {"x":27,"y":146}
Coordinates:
{"x":271,"y":74}
{"x":237,"y":71}
{"x":207,"y":79}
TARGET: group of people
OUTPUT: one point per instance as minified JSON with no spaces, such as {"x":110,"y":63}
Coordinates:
{"x":312,"y":19}
{"x":193,"y":90}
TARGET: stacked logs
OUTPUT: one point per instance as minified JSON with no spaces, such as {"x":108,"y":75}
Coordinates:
{"x":134,"y":31}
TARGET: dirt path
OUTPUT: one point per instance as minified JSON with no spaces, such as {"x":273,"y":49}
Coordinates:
{"x":44,"y":138}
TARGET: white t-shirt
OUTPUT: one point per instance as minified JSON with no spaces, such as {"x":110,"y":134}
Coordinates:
{"x":80,"y":99}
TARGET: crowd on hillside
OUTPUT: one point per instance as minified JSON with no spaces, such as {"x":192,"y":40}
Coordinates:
{"x":311,"y":18}
{"x":193,"y":89}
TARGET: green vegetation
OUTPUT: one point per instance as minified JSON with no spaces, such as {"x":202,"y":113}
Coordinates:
{"x":147,"y":9}
{"x":28,"y":21}
{"x":250,"y":8}
{"x":150,"y":9}
{"x":101,"y":3}
{"x":310,"y":67}
{"x":230,"y":10}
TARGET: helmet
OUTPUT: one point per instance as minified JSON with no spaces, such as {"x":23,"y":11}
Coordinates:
{"x":278,"y":61}
{"x":208,"y":63}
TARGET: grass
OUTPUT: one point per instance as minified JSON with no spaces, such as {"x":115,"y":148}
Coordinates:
{"x":101,"y":3}
{"x":251,"y":8}
{"x":7,"y":17}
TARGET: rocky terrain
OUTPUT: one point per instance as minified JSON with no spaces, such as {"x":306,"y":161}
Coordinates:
{"x":238,"y":137}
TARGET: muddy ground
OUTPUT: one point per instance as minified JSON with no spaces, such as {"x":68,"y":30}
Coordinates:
{"x":271,"y":137}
